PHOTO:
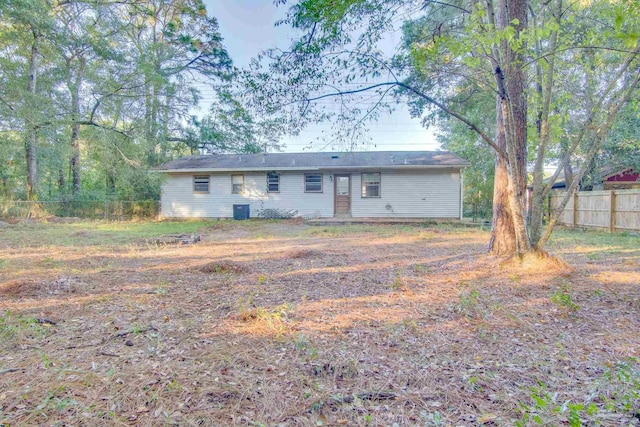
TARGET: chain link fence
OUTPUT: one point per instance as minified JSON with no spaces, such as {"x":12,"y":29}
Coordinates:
{"x":114,"y":210}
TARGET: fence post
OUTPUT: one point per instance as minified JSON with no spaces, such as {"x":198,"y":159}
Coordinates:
{"x":574,"y":220}
{"x":612,"y":210}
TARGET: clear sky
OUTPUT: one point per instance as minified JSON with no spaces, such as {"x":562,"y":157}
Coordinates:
{"x":247,"y":27}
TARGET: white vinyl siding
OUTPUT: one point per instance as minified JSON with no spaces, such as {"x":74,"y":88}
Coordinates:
{"x":179,"y":201}
{"x":424,"y":194}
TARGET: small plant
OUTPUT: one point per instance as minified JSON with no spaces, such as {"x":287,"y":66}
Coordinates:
{"x":470,"y":304}
{"x":246,"y":307}
{"x":46,"y":362}
{"x":419,"y":268}
{"x":562,"y":298}
{"x":398,"y":284}
{"x":262,"y":279}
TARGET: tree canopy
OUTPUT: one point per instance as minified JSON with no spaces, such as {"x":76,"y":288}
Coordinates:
{"x":94,"y":93}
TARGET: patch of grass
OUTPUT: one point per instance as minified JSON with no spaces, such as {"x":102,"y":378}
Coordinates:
{"x":90,"y":233}
{"x":50,"y":263}
{"x":597,"y":240}
{"x":17,"y":328}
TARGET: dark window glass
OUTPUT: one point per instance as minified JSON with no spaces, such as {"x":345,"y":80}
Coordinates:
{"x":313,"y":183}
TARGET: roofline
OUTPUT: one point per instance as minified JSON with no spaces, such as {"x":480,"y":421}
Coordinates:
{"x":309,"y":168}
{"x":619,"y":172}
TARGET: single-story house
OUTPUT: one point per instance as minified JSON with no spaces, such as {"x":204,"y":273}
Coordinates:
{"x":387,"y":184}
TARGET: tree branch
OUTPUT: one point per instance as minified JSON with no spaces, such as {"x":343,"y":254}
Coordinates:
{"x":417,"y":92}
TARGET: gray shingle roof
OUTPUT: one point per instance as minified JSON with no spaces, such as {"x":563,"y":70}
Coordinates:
{"x":316,"y":160}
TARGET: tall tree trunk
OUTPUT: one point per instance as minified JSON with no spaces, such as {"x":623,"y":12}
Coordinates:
{"x":61,"y":180}
{"x":503,"y":238}
{"x":151,"y":135}
{"x":5,"y":185}
{"x":510,"y":236}
{"x":75,"y":159}
{"x":31,"y":140}
{"x":74,"y":88}
{"x":111,"y":183}
{"x":545,"y":88}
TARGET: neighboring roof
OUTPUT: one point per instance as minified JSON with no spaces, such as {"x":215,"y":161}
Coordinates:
{"x":315,"y":161}
{"x":622,"y":175}
{"x":608,"y":175}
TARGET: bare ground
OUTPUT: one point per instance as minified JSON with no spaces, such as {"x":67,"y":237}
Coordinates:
{"x":283,"y":324}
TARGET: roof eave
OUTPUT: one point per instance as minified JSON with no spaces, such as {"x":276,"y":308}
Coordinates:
{"x":310,"y":168}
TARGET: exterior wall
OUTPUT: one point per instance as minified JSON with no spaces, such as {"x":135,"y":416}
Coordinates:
{"x":179,"y":201}
{"x":416,"y":194}
{"x":423,"y":194}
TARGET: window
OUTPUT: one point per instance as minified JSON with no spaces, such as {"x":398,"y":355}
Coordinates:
{"x":201,"y":184}
{"x":273,"y":182}
{"x":371,"y":184}
{"x":237,"y":184}
{"x":313,"y":183}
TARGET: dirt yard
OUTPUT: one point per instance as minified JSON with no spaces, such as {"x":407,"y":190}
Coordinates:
{"x":285,"y":324}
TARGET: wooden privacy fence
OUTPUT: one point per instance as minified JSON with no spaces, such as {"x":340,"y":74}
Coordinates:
{"x":612,"y":210}
{"x":109,"y":210}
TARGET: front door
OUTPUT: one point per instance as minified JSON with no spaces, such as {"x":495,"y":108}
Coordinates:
{"x":342,"y":194}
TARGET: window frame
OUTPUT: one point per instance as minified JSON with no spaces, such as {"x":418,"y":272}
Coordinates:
{"x":321,"y":182}
{"x":364,"y":184}
{"x":272,"y":175}
{"x":201,"y":177}
{"x":233,"y":185}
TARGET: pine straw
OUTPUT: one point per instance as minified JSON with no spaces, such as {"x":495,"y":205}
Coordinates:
{"x":381,"y":325}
